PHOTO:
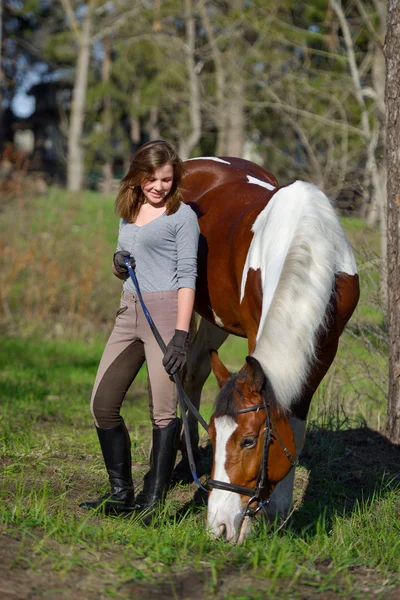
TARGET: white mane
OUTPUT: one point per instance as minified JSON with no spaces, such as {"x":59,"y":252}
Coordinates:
{"x":298,"y":245}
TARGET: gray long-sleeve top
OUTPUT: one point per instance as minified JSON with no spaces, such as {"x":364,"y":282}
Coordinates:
{"x":165,"y":251}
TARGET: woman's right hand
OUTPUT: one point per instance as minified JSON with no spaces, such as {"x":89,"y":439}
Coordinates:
{"x":119,"y":262}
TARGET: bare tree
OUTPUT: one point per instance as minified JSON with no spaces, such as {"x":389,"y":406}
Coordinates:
{"x":83,"y":37}
{"x":220,"y":78}
{"x":1,"y":69}
{"x":189,"y":142}
{"x":392,"y":50}
{"x":107,"y":116}
{"x":371,"y":132}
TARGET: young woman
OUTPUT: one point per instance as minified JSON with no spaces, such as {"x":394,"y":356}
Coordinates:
{"x":160,"y":235}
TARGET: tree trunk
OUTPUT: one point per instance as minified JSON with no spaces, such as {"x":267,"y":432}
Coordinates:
{"x":1,"y":80}
{"x":135,"y":132}
{"x":186,"y":146}
{"x":154,"y":131}
{"x":220,"y":78}
{"x":107,"y":119}
{"x":75,"y":159}
{"x":393,"y":213}
{"x":235,"y":137}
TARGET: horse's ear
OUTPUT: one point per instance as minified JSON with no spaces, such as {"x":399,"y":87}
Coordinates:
{"x":255,"y":373}
{"x":220,"y":371}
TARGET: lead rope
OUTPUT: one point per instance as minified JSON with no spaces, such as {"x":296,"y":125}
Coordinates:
{"x":182,"y":397}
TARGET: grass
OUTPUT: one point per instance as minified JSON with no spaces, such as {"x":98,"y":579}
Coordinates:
{"x":59,"y":300}
{"x":346,"y":522}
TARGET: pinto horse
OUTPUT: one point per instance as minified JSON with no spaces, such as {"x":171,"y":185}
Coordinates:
{"x":275,"y":267}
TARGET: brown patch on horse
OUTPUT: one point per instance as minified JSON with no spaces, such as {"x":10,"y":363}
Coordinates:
{"x":279,"y":464}
{"x":210,"y":188}
{"x":342,"y":305}
{"x":251,"y":306}
{"x":243,"y":464}
{"x":249,"y":388}
{"x":220,"y":371}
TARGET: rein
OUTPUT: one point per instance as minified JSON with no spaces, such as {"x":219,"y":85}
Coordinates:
{"x":184,"y":402}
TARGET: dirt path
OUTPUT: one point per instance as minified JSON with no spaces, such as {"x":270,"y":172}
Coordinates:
{"x":22,"y":578}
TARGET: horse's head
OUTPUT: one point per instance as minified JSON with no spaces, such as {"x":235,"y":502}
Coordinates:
{"x":253,"y":448}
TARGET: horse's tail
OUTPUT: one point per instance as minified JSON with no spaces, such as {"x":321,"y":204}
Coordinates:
{"x":299,"y":245}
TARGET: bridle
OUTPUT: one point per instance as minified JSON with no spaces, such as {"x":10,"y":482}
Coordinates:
{"x":255,"y":494}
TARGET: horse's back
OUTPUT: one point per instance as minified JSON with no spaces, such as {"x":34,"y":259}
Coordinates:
{"x":203,"y":175}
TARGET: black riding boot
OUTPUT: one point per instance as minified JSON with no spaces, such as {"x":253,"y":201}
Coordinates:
{"x":116,"y":447}
{"x":162,"y":461}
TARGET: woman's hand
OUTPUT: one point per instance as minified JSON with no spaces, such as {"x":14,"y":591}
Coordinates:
{"x":176,"y":354}
{"x":119,"y":263}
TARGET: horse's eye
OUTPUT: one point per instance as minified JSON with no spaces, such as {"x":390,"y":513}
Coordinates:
{"x":248,"y":442}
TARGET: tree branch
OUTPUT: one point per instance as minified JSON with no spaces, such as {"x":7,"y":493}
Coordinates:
{"x":73,"y":23}
{"x":367,"y":20}
{"x":337,"y":7}
{"x":119,"y":23}
{"x":305,"y":113}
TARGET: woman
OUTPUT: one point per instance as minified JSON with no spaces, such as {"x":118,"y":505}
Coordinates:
{"x":160,"y":235}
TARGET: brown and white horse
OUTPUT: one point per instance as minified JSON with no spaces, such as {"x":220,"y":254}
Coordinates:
{"x":275,"y":267}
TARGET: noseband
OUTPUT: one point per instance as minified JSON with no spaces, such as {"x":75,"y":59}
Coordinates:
{"x":256,"y":492}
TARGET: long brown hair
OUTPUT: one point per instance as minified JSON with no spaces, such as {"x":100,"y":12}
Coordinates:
{"x":147,"y":159}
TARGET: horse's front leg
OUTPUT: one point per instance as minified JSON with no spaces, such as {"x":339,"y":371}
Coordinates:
{"x":198,"y":367}
{"x":281,"y":498}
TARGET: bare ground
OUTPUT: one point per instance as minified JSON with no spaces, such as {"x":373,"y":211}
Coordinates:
{"x":21,"y":580}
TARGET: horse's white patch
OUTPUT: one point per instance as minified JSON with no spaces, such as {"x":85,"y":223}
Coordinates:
{"x":224,"y":508}
{"x":209,"y":158}
{"x":256,"y":181}
{"x":217,"y":320}
{"x":298,"y":245}
{"x":281,"y":498}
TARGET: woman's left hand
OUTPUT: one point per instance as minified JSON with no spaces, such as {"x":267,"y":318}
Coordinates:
{"x":176,"y":354}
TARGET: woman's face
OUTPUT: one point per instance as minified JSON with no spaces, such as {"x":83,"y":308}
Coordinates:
{"x":159,"y":185}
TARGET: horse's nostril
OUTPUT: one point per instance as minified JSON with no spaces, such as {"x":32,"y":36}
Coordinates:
{"x":222,"y":530}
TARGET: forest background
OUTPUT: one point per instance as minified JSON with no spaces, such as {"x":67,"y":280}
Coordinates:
{"x":296,"y":87}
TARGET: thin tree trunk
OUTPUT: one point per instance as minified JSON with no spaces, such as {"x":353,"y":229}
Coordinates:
{"x":107,"y":119}
{"x":220,"y":78}
{"x":1,"y":79}
{"x":378,"y":80}
{"x":134,"y":129}
{"x":235,"y":138}
{"x":154,"y":131}
{"x":377,"y":196}
{"x":186,"y":146}
{"x":75,"y":160}
{"x":236,"y":121}
{"x":393,"y":213}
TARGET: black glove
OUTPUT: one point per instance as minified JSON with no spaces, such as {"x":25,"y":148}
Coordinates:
{"x":175,"y":356}
{"x":119,"y":263}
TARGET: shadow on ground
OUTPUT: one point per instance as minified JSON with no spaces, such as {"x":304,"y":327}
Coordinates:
{"x":345,"y":468}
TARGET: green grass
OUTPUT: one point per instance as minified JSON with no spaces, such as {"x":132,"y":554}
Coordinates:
{"x":51,"y":462}
{"x":59,"y":300}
